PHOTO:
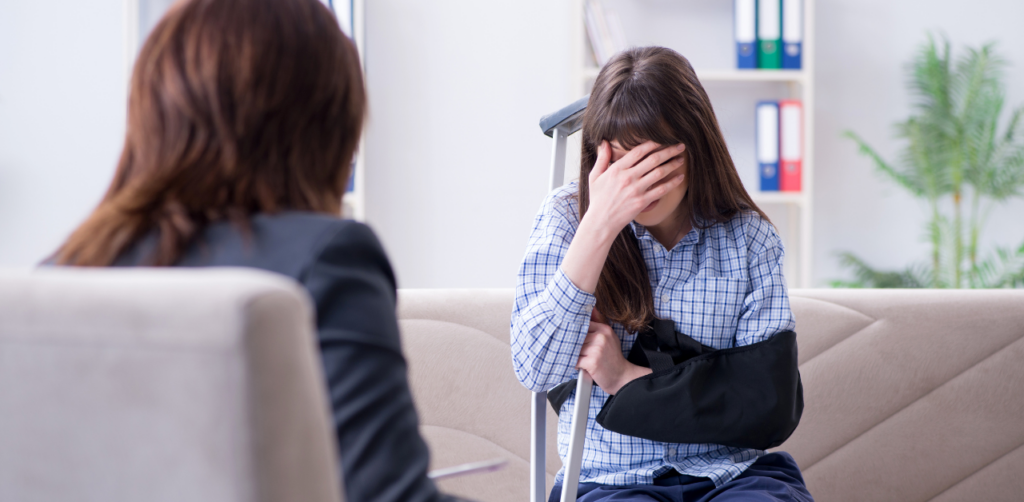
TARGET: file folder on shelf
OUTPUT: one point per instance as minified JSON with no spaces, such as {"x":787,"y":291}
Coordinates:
{"x":768,"y":145}
{"x":792,"y":34}
{"x":351,"y":178}
{"x":791,"y":144}
{"x":745,"y":31}
{"x":769,"y":34}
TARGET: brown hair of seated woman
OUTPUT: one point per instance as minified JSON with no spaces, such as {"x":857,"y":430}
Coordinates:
{"x":236,"y":107}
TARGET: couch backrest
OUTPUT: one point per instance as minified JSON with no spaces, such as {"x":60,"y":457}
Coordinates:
{"x":471,"y":406}
{"x":167,"y":385}
{"x":910,"y":395}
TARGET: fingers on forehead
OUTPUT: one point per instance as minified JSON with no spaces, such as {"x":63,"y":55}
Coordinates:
{"x":663,"y":155}
{"x":642,"y":150}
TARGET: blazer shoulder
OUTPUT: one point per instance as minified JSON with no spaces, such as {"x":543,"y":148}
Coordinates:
{"x":353,"y":286}
{"x":348,"y":243}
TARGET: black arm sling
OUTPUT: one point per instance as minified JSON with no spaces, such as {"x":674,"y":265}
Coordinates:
{"x":747,"y":397}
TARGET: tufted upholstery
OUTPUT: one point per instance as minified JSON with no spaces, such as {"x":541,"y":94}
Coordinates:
{"x":910,"y":395}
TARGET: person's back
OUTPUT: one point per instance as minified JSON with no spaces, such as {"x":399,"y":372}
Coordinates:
{"x":345,"y":270}
{"x":243,"y":119}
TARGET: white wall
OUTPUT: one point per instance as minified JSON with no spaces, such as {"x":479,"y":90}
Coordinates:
{"x":62,"y":112}
{"x":458,"y":165}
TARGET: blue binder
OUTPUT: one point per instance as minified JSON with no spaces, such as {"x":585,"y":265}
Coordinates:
{"x":352,"y":178}
{"x":792,"y":34}
{"x":767,"y":133}
{"x":745,"y":32}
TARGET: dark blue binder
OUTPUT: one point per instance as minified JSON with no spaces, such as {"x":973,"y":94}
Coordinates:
{"x":792,"y":34}
{"x":745,"y":32}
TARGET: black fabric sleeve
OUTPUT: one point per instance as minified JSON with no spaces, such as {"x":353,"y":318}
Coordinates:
{"x":747,"y":397}
{"x":382,"y":456}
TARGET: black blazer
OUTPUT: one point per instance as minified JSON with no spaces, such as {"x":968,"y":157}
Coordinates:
{"x":342,"y":264}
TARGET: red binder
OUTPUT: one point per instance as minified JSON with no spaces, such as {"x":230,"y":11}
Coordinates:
{"x":791,"y":144}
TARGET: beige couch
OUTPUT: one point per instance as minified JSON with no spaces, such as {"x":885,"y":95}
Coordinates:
{"x":910,"y":395}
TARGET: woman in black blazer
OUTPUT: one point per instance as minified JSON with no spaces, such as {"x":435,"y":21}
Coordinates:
{"x":243,"y":118}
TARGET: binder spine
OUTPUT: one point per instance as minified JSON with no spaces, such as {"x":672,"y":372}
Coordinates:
{"x":351,"y":187}
{"x":769,"y":34}
{"x":791,"y":145}
{"x":792,"y":34}
{"x":745,"y":32}
{"x":767,"y":121}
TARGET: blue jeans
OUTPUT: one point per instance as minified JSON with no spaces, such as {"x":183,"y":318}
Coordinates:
{"x":773,"y":477}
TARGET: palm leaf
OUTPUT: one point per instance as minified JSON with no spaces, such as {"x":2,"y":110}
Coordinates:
{"x":866,"y":276}
{"x":1006,"y":176}
{"x":1005,"y":269}
{"x":929,"y":81}
{"x":926,"y":158}
{"x":905,"y":179}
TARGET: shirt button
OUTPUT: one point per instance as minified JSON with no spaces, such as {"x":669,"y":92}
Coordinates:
{"x":671,"y":451}
{"x":664,"y":298}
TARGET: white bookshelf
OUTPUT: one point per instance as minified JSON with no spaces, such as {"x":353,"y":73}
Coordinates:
{"x":717,"y":68}
{"x":141,"y":15}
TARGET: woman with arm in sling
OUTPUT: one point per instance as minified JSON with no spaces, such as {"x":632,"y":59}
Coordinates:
{"x":659,"y":276}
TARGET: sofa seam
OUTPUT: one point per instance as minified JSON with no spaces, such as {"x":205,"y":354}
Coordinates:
{"x":834,"y":345}
{"x":979,"y":469}
{"x":915,"y":401}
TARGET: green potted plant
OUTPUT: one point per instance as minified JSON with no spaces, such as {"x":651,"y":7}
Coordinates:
{"x":960,"y":158}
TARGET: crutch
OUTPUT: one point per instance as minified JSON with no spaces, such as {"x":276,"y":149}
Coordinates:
{"x":559,"y":126}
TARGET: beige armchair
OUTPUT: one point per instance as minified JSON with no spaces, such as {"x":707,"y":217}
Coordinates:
{"x":161,"y":385}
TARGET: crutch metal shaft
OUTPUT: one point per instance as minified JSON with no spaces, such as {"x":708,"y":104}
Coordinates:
{"x":538,"y":431}
{"x":571,"y":481}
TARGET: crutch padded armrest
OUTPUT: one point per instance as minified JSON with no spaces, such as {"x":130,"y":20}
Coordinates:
{"x":560,"y":393}
{"x":747,"y":397}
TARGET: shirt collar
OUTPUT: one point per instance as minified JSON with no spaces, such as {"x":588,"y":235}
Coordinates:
{"x":691,"y":237}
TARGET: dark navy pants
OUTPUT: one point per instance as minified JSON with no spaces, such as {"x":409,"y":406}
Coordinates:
{"x":773,"y":477}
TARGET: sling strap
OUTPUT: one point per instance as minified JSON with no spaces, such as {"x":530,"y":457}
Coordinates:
{"x":748,"y":397}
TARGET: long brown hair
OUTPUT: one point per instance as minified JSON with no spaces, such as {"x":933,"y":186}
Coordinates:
{"x":652,"y":93}
{"x":236,"y":107}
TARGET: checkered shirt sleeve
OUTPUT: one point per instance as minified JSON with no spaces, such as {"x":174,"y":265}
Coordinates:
{"x":551,"y":315}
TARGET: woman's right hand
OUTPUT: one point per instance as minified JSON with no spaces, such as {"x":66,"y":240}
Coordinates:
{"x":620,"y":190}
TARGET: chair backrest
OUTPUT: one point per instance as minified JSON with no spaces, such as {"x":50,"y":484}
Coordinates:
{"x":161,"y":385}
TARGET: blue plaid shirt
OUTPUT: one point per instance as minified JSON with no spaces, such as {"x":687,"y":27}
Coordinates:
{"x":722,"y":285}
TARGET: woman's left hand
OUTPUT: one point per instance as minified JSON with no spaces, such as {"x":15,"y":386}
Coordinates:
{"x":601,"y":356}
